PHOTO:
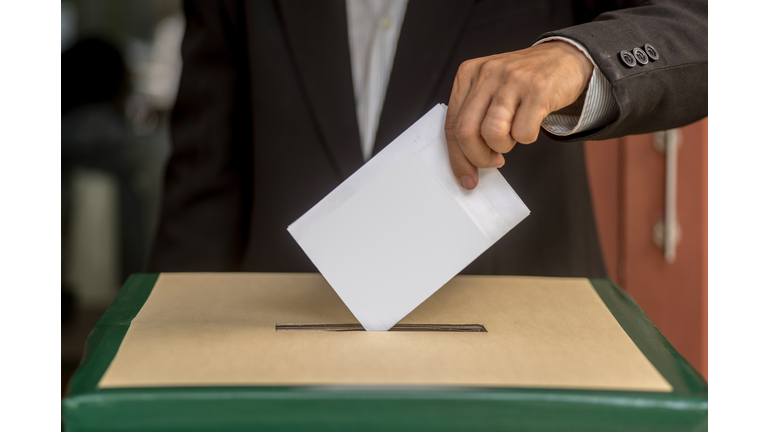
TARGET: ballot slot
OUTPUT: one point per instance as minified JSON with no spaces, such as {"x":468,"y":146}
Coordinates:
{"x":448,"y":328}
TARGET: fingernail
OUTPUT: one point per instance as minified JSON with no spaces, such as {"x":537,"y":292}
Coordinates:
{"x":467,"y":182}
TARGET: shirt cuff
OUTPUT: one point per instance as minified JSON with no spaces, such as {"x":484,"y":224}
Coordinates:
{"x":595,"y":107}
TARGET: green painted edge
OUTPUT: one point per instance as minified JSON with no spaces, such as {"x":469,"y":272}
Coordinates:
{"x":373,"y":409}
{"x":671,"y":365}
{"x":106,"y":337}
{"x":429,"y":408}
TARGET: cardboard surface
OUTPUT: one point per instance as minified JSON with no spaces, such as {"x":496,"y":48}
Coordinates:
{"x":219,"y":329}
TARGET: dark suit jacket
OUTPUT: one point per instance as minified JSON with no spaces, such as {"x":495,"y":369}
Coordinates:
{"x":265,"y":126}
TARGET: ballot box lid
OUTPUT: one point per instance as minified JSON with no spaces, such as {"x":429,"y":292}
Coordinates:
{"x":91,"y":406}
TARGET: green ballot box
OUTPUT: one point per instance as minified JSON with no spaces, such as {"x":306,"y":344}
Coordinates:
{"x":268,"y":351}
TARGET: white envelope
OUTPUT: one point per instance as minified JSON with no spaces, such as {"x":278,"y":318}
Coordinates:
{"x":401,"y":226}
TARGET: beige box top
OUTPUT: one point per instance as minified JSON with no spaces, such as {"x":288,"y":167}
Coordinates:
{"x":218,"y":329}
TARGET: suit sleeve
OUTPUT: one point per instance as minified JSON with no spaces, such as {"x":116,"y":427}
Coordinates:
{"x":208,"y":180}
{"x":663,"y":94}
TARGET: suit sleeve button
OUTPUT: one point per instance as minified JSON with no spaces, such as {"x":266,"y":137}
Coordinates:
{"x":628,"y":58}
{"x":640,"y":55}
{"x":651,"y":51}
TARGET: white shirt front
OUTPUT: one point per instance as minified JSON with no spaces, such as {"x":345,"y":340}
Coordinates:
{"x":373,"y":27}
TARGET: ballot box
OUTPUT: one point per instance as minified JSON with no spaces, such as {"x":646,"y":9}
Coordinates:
{"x":269,"y":351}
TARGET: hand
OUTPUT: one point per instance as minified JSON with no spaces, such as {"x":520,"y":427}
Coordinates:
{"x":501,"y":100}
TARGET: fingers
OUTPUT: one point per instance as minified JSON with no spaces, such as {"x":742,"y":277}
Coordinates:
{"x":527,"y":122}
{"x":465,"y":172}
{"x":467,"y":146}
{"x":497,"y":124}
{"x":468,"y":134}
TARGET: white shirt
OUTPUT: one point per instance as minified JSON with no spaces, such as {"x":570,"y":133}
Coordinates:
{"x":373,"y":28}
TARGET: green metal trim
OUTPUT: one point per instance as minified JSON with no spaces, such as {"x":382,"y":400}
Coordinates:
{"x":353,"y":408}
{"x":374,"y":409}
{"x":105,"y":339}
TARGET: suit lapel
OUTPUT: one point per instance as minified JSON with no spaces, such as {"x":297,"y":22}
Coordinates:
{"x":427,"y":40}
{"x":317,"y":35}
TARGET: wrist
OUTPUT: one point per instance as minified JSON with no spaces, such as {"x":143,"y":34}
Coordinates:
{"x":579,"y":62}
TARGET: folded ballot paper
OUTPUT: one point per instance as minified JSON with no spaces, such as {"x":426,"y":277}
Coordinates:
{"x":401,"y":226}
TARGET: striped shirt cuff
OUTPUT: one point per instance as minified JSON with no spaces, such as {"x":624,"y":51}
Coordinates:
{"x":595,"y":107}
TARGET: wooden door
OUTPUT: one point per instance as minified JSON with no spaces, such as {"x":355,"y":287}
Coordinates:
{"x":628,"y":182}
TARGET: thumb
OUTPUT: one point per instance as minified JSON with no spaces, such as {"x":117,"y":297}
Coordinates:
{"x":465,"y":172}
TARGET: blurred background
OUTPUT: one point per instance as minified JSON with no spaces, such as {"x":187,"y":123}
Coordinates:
{"x":120,"y":69}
